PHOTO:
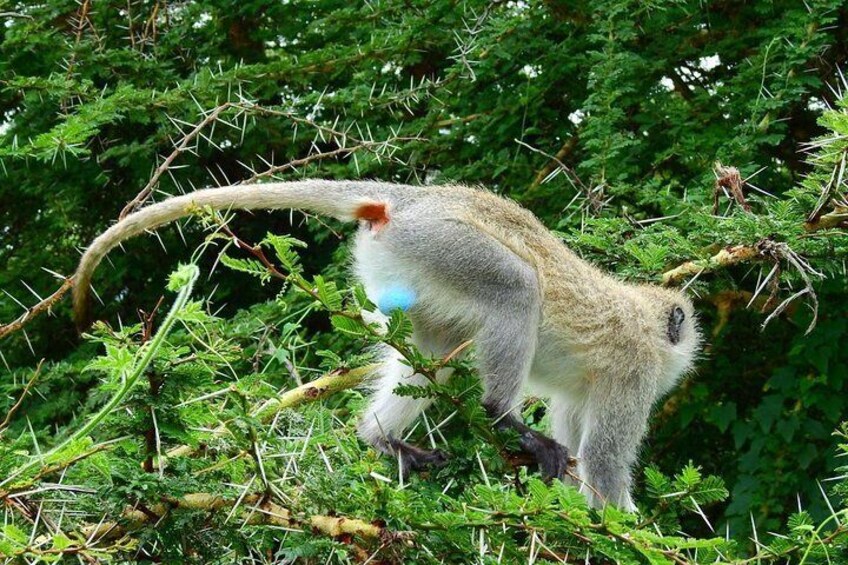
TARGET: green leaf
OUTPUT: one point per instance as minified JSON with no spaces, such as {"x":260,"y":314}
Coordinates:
{"x":348,"y":326}
{"x":249,"y":266}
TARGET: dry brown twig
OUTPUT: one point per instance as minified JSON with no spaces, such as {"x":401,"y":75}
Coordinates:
{"x":729,"y":181}
{"x":594,"y":197}
{"x":5,"y":423}
{"x":34,"y":311}
{"x":779,"y":251}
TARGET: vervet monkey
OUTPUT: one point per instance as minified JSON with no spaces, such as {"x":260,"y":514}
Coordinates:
{"x":467,"y":264}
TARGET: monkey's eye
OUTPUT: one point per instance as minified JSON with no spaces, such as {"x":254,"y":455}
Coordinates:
{"x":675,"y":322}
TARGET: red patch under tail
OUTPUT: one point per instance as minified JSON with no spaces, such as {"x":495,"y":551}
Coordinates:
{"x":375,"y":213}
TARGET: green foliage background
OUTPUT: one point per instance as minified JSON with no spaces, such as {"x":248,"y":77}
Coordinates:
{"x":635,"y":100}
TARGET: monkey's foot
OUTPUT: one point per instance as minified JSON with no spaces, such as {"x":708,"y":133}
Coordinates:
{"x":551,"y":457}
{"x":418,"y":459}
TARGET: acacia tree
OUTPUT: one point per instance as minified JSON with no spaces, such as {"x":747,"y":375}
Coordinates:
{"x":685,"y":143}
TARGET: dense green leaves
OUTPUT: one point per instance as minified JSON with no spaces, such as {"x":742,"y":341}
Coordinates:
{"x":604,"y":118}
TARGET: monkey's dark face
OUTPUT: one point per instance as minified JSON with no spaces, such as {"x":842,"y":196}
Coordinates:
{"x":677,"y":337}
{"x":675,"y":323}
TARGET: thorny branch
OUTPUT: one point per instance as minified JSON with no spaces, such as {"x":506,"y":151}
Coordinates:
{"x":261,"y":509}
{"x":594,"y":196}
{"x":838,"y":218}
{"x":145,"y":193}
{"x":341,"y":151}
{"x":765,"y":249}
{"x":833,"y":185}
{"x":312,"y":391}
{"x":726,"y":257}
{"x":5,"y":423}
{"x":34,"y":311}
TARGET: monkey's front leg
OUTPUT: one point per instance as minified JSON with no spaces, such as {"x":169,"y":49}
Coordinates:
{"x":616,"y":421}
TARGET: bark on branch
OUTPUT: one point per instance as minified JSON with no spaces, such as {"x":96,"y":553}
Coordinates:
{"x":727,"y":257}
{"x":260,"y":509}
{"x":838,"y":218}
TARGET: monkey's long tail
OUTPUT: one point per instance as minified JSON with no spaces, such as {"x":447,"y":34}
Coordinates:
{"x":344,"y":200}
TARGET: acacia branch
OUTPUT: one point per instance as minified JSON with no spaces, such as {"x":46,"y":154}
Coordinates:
{"x":145,"y":193}
{"x":312,"y":391}
{"x":555,"y":161}
{"x":341,"y":151}
{"x":262,"y":511}
{"x":727,"y":257}
{"x":34,"y":311}
{"x":838,"y":218}
{"x":5,"y":423}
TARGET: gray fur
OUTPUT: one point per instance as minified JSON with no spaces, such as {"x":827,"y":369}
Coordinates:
{"x":485,"y":269}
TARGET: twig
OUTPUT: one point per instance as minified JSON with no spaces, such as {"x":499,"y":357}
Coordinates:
{"x":727,"y":257}
{"x":34,"y":311}
{"x":763,"y":249}
{"x":320,"y":156}
{"x":313,"y":391}
{"x":263,"y":510}
{"x":82,"y":18}
{"x":554,"y":162}
{"x":593,"y":197}
{"x":838,"y":218}
{"x":729,"y":179}
{"x":5,"y":423}
{"x":16,"y":15}
{"x":145,"y":193}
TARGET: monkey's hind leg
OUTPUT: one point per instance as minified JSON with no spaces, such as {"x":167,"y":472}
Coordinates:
{"x":493,"y":295}
{"x":506,"y":346}
{"x":566,"y":421}
{"x":505,"y":351}
{"x":389,"y":414}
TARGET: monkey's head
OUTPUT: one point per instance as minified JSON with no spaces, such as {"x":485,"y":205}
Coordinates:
{"x":676,"y":329}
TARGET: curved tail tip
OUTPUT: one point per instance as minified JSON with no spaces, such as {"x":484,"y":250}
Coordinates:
{"x":82,"y":309}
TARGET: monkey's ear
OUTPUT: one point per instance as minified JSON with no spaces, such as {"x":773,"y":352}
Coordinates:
{"x":675,"y":322}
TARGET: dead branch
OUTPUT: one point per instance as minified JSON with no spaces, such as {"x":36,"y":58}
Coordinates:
{"x":729,"y":182}
{"x":779,"y":251}
{"x":261,"y":511}
{"x":132,"y":518}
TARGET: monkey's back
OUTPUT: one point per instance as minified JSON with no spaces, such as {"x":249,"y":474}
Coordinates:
{"x":582,"y":307}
